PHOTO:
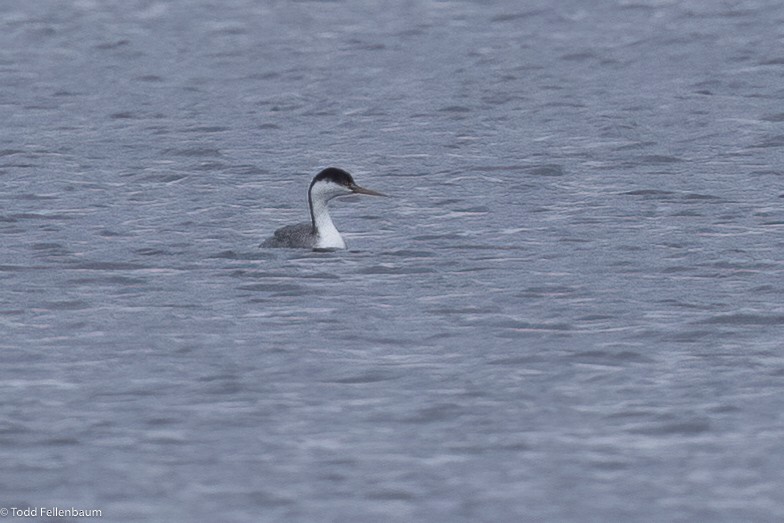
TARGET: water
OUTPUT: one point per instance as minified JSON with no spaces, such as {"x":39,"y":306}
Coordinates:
{"x":570,"y":310}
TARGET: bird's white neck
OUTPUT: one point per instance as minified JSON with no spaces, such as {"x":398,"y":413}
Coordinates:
{"x":327,"y":233}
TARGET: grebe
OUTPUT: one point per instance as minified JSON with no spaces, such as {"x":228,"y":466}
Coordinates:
{"x":320,"y":233}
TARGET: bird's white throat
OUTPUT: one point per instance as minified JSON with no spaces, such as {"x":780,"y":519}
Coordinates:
{"x":328,"y":235}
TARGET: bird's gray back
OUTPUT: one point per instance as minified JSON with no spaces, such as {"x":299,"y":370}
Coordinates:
{"x":292,"y":236}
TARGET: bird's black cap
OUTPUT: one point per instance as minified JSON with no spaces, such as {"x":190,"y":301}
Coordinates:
{"x":334,"y":175}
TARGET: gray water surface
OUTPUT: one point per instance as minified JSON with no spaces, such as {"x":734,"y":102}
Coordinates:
{"x":570,"y":309}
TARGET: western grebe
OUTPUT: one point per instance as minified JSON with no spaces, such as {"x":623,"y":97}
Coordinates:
{"x":320,"y":233}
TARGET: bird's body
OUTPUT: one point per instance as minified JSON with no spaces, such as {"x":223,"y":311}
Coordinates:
{"x":299,"y":235}
{"x":320,"y":233}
